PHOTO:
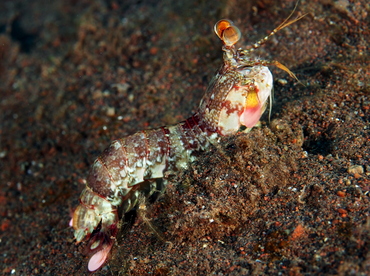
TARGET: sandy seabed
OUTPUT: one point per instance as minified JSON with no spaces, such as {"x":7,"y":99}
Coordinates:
{"x":289,"y":198}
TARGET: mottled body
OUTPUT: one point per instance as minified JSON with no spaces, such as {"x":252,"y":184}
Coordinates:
{"x":131,"y":167}
{"x":158,"y":153}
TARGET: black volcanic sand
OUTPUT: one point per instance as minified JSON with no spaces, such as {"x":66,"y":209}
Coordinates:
{"x":290,"y":198}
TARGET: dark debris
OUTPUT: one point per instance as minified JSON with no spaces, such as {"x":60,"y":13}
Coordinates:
{"x":291,"y":197}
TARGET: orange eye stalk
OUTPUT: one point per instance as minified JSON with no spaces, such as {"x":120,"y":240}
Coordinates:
{"x":227,"y":32}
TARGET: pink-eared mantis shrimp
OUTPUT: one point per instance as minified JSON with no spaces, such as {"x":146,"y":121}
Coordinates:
{"x":138,"y":165}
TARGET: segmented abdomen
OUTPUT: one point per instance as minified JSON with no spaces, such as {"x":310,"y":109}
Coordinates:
{"x":144,"y":156}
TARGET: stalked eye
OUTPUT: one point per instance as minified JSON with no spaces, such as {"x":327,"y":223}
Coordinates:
{"x":227,"y":32}
{"x":231,"y":35}
{"x":222,"y":25}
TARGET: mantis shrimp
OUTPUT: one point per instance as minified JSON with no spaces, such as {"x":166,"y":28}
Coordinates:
{"x":140,"y":164}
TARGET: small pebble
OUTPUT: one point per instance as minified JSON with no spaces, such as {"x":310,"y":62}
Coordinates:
{"x":111,"y":111}
{"x":341,"y":194}
{"x":282,"y":81}
{"x":356,"y":169}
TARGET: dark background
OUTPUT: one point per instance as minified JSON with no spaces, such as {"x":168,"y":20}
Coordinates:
{"x":291,"y":197}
